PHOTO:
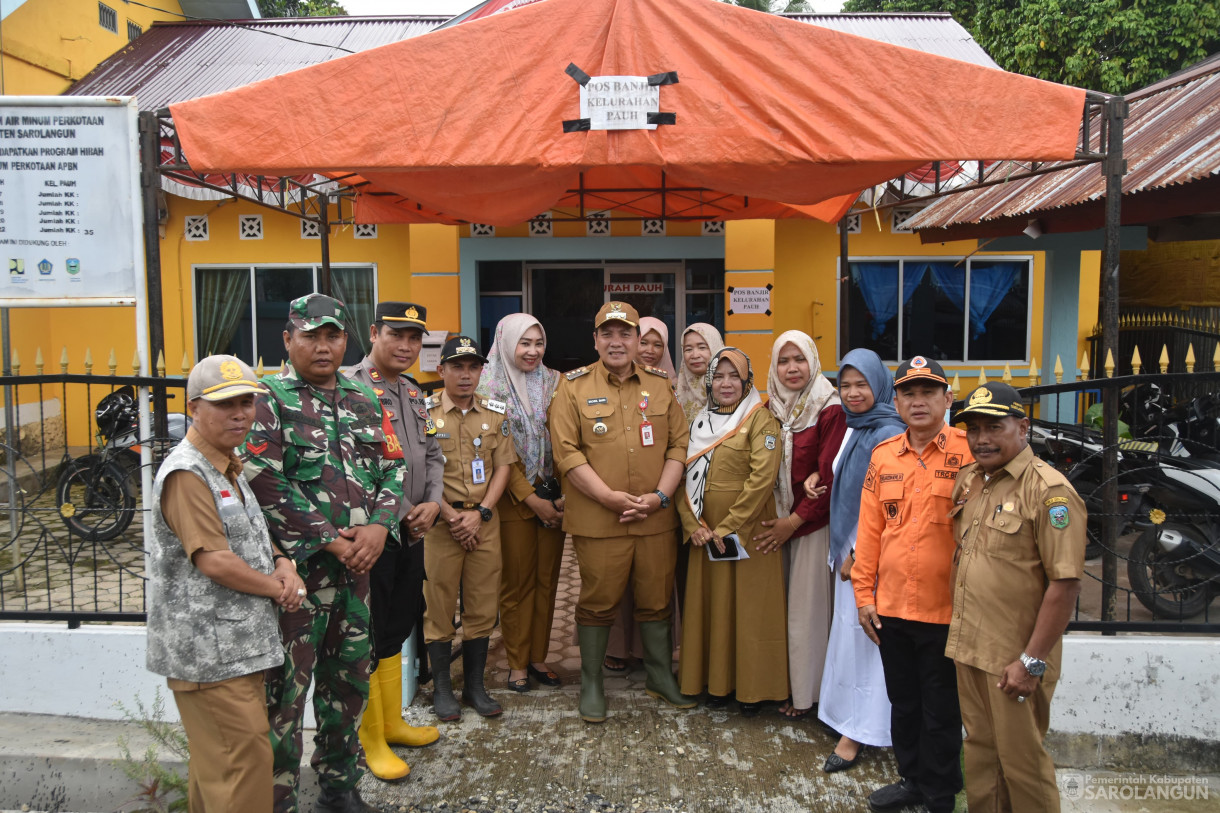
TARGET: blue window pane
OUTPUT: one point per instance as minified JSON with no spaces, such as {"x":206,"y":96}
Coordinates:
{"x":999,"y":309}
{"x":869,"y":309}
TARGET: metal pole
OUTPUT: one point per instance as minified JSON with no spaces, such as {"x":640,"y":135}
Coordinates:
{"x":150,"y":185}
{"x":324,"y":223}
{"x":12,"y":437}
{"x":843,"y":270}
{"x":1114,"y":167}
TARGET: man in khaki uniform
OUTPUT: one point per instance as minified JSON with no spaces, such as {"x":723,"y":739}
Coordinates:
{"x":619,"y":439}
{"x":1021,"y":531}
{"x":463,"y":548}
{"x":396,"y":581}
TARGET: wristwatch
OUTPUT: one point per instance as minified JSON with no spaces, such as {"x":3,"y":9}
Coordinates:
{"x":484,"y":513}
{"x":1032,"y":665}
{"x":664,"y":499}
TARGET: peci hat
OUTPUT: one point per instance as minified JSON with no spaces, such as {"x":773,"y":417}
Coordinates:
{"x":917,"y":368}
{"x":461,"y":347}
{"x":218,"y":378}
{"x":617,"y":312}
{"x":311,"y":311}
{"x":995,"y":399}
{"x":402,"y":314}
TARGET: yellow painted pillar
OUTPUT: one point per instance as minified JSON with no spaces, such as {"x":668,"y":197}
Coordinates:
{"x":749,"y":280}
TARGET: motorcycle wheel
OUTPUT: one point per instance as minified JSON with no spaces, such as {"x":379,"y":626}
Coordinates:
{"x":101,"y":495}
{"x":1158,"y":579}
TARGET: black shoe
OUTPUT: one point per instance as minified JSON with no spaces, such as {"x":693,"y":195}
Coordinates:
{"x":547,"y":678}
{"x":341,"y":801}
{"x":836,"y":763}
{"x":892,"y":797}
{"x":716,"y":701}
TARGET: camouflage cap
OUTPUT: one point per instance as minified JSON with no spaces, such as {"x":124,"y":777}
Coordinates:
{"x":995,"y":399}
{"x":311,"y":311}
{"x":218,"y":378}
{"x":617,"y":312}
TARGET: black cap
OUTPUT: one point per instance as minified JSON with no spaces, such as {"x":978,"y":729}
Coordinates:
{"x":918,"y":368}
{"x":402,"y":314}
{"x":461,"y":347}
{"x":995,"y":400}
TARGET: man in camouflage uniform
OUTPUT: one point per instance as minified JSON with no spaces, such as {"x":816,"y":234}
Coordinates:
{"x":328,"y":471}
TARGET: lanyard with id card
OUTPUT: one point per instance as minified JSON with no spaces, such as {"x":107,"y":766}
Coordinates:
{"x":478,"y":475}
{"x":646,"y":438}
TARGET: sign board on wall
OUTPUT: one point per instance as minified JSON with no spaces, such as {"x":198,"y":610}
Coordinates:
{"x":70,"y":209}
{"x":635,"y":287}
{"x":750,"y":300}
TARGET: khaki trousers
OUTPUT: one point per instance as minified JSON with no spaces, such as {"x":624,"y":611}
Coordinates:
{"x":1007,"y":766}
{"x":529,"y":580}
{"x":227,"y":729}
{"x":449,"y":567}
{"x":608,"y":564}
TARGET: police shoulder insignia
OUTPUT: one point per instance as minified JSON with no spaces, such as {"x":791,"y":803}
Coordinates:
{"x":429,"y":427}
{"x":496,"y":406}
{"x":577,"y":373}
{"x":373,"y":374}
{"x":1059,"y":516}
{"x":655,"y":371}
{"x":769,"y":442}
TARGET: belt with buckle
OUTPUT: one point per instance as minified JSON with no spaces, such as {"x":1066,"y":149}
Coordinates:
{"x":465,"y":506}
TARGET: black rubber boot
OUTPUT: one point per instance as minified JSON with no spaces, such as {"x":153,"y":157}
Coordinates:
{"x":474,"y":662}
{"x":658,"y":665}
{"x":342,"y":801}
{"x":593,"y":642}
{"x":443,"y":702}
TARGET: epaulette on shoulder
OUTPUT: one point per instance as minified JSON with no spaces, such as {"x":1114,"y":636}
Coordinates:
{"x":1049,"y":474}
{"x":432,"y":401}
{"x":895,"y":439}
{"x":656,"y":371}
{"x":960,"y":433}
{"x":571,"y":375}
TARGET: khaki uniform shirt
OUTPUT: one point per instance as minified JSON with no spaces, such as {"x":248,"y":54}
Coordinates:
{"x":592,"y":397}
{"x":1023,"y":527}
{"x":456,"y":434}
{"x":904,"y":542}
{"x":403,"y":402}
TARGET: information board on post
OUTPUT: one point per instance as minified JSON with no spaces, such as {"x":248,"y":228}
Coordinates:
{"x":70,"y":209}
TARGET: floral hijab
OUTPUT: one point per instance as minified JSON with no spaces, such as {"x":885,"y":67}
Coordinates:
{"x":797,"y":410}
{"x":691,"y":392}
{"x":712,"y":426}
{"x":528,"y":395}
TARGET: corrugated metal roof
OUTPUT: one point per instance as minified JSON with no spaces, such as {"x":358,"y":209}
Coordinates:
{"x":933,"y":33}
{"x":173,"y":62}
{"x":1171,"y":137}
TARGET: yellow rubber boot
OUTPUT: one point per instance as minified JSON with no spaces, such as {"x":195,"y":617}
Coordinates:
{"x":397,"y":731}
{"x":382,"y":762}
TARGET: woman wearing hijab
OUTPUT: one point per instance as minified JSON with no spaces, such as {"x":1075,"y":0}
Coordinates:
{"x":700,"y":342}
{"x":624,"y":644}
{"x":733,"y":618}
{"x":811,"y":431}
{"x":531,"y":510}
{"x":854,"y":701}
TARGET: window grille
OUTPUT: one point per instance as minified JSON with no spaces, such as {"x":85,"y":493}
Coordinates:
{"x":107,"y":18}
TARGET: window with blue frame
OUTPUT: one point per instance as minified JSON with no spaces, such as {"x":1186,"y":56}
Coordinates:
{"x":947,"y":308}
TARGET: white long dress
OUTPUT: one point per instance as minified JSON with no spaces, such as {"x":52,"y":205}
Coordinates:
{"x":853,"y":698}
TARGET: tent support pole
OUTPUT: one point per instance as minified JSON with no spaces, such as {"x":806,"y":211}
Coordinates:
{"x":150,"y":184}
{"x":324,"y":225}
{"x":1114,"y":167}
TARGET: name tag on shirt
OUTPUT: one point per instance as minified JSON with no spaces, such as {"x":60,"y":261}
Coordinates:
{"x":477,"y":473}
{"x":646,"y":438}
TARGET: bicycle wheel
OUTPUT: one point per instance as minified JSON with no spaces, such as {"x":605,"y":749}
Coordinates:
{"x":96,"y":498}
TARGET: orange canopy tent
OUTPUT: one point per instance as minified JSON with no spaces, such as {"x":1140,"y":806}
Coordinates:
{"x":773,"y":118}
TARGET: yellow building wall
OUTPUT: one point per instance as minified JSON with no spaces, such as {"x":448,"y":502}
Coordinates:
{"x":49,"y":44}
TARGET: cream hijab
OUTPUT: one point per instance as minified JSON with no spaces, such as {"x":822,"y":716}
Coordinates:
{"x":691,"y":392}
{"x":650,"y":324}
{"x":797,"y":410}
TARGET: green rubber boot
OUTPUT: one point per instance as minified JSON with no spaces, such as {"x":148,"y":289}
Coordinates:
{"x":658,"y":665}
{"x":593,"y":642}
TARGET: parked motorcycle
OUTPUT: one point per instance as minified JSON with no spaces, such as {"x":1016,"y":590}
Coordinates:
{"x":97,"y":493}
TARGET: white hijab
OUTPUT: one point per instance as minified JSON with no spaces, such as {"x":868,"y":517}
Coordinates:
{"x":691,"y":392}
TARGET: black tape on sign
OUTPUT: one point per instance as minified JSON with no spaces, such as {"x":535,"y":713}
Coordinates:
{"x":576,"y":125}
{"x":662,"y":118}
{"x":666,"y":78}
{"x":580,"y":76}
